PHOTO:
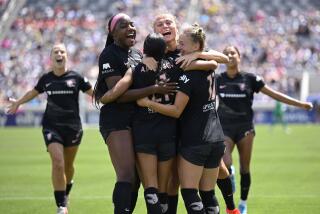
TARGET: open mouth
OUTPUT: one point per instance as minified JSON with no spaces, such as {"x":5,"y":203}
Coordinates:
{"x":59,"y":60}
{"x":131,"y":36}
{"x":166,"y":33}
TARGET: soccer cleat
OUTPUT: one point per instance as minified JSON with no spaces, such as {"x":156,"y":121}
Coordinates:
{"x":62,"y":210}
{"x":234,"y":211}
{"x":243,"y":208}
{"x":233,"y":178}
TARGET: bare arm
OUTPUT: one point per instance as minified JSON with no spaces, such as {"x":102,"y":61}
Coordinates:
{"x":14,"y":104}
{"x":89,"y":92}
{"x":186,"y":60}
{"x":174,"y":110}
{"x":118,"y":87}
{"x":285,"y":98}
{"x":135,"y":94}
{"x":202,"y":65}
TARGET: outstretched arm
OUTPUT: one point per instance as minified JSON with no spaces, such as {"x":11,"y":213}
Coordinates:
{"x":14,"y":104}
{"x":285,"y":98}
{"x":174,"y":110}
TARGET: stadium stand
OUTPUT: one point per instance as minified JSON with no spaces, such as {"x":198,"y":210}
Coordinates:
{"x":278,"y":39}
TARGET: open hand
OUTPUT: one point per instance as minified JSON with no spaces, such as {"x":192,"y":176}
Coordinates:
{"x":13,"y":106}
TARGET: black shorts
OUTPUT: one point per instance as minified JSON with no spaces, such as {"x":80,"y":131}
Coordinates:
{"x":114,"y":122}
{"x":62,"y":134}
{"x":208,"y":155}
{"x":163,"y":150}
{"x":237,"y":131}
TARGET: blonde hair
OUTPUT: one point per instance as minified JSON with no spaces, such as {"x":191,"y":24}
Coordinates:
{"x":197,"y":34}
{"x":164,"y":15}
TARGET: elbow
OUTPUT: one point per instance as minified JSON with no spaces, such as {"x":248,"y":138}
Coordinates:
{"x":176,"y":114}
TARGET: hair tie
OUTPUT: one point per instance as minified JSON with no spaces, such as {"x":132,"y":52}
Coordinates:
{"x":115,"y":19}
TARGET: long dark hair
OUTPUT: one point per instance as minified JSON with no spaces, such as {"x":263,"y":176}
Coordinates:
{"x":99,"y":87}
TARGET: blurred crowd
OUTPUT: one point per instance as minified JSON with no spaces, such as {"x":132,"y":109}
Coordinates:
{"x":277,"y":41}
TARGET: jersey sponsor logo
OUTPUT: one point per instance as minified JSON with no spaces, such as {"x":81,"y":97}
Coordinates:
{"x":197,"y":206}
{"x":208,"y":107}
{"x":71,"y":83}
{"x":232,"y":95}
{"x":106,"y":66}
{"x":59,"y":92}
{"x":184,"y":79}
{"x":152,"y":198}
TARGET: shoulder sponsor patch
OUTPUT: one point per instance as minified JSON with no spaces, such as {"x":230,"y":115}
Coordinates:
{"x":184,"y":78}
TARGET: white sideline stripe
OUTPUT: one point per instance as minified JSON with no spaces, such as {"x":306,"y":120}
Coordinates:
{"x":20,"y":198}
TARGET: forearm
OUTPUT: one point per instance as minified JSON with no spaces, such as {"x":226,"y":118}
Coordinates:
{"x":168,"y":110}
{"x":134,"y":94}
{"x":27,"y":97}
{"x":214,"y":55}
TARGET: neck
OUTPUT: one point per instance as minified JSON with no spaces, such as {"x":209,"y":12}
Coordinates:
{"x":121,"y":46}
{"x":59,"y":71}
{"x":172,"y":46}
{"x":232,"y":71}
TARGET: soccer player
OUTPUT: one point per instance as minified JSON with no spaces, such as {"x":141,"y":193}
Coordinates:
{"x":236,"y":90}
{"x":116,"y":61}
{"x":62,"y":130}
{"x":166,"y":24}
{"x":201,"y":145}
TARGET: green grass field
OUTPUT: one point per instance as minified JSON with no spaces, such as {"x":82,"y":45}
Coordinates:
{"x":285,"y":173}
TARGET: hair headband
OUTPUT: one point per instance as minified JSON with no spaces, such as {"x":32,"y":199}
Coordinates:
{"x":116,"y":18}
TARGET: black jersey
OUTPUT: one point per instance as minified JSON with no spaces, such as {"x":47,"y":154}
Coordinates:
{"x":115,"y":61}
{"x":160,"y":125}
{"x":236,"y":96}
{"x":62,"y":102}
{"x":199,"y":122}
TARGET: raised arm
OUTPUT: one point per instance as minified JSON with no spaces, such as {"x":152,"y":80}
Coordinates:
{"x":285,"y":98}
{"x":174,"y":110}
{"x":14,"y":104}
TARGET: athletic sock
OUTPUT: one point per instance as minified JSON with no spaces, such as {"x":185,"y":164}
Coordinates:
{"x":122,"y":197}
{"x":69,"y":187}
{"x":245,"y":182}
{"x":172,"y":204}
{"x":192,"y":201}
{"x":152,"y":200}
{"x":163,"y":198}
{"x":225,"y":186}
{"x":60,"y":197}
{"x":210,"y":202}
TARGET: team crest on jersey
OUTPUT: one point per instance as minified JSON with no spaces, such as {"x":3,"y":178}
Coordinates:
{"x":49,"y":136}
{"x":242,"y":86}
{"x":71,"y":83}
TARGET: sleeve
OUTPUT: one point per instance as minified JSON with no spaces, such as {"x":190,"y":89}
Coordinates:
{"x":185,"y":84}
{"x":136,"y":77}
{"x":257,"y":82}
{"x":109,"y":66}
{"x":84,"y":84}
{"x":40,"y":85}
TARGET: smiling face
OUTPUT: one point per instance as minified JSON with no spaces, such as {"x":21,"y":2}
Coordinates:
{"x":165,"y":24}
{"x":187,"y":45}
{"x":59,"y":56}
{"x":124,"y":33}
{"x":234,"y":56}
